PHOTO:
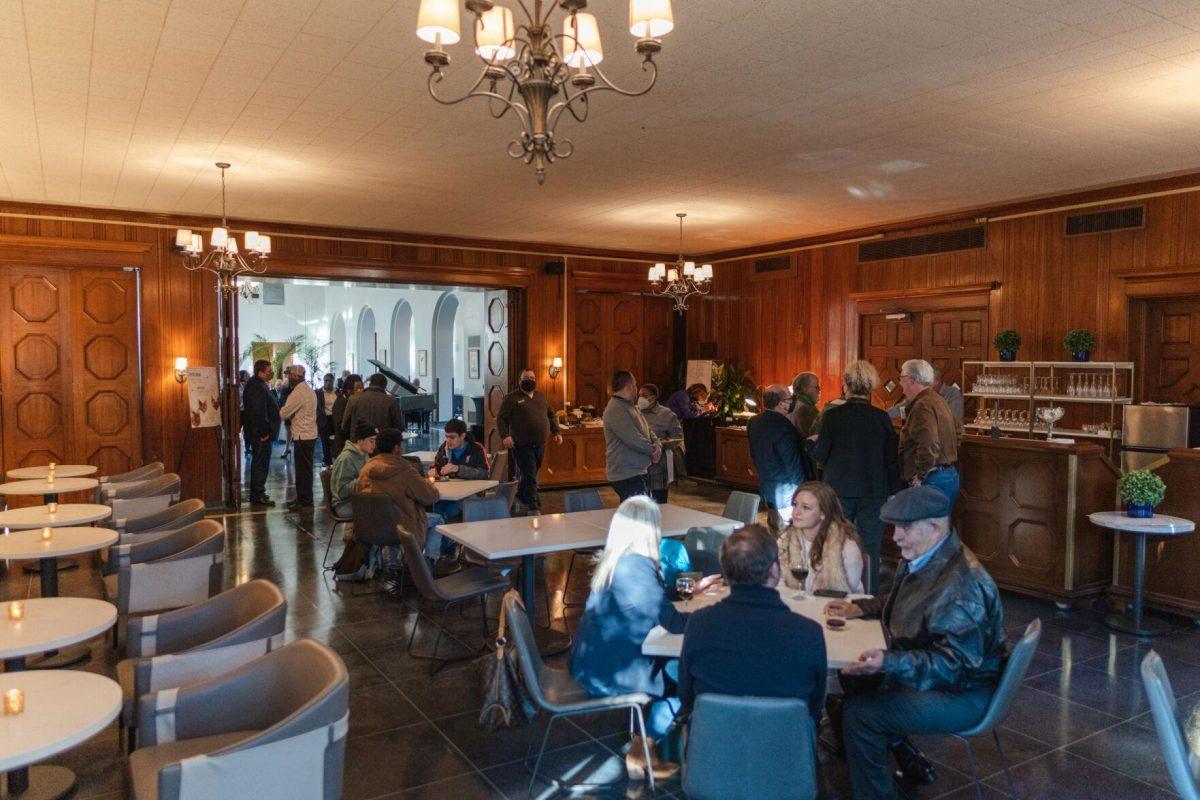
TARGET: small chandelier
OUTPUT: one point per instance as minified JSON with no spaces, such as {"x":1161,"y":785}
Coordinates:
{"x":526,"y":67}
{"x":683,"y":279}
{"x":223,"y":259}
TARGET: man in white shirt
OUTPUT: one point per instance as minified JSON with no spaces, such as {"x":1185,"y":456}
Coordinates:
{"x":301,"y":410}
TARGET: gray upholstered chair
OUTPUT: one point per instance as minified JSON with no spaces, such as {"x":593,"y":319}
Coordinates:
{"x":145,"y":527}
{"x":743,"y":507}
{"x":769,"y":730}
{"x":272,"y":729}
{"x":507,"y":490}
{"x":1011,"y":679}
{"x":199,"y":641}
{"x":338,"y":521}
{"x":579,"y":500}
{"x":499,"y":470}
{"x":703,"y":547}
{"x":180,"y":568}
{"x":1183,"y":765}
{"x":473,"y":583}
{"x":142,"y":473}
{"x":141,"y":497}
{"x":555,"y":694}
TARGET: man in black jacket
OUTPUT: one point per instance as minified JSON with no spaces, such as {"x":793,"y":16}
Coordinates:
{"x":374,"y":406}
{"x":525,"y":421}
{"x":945,"y":632}
{"x":260,"y":421}
{"x":775,"y":449}
{"x":458,"y":457}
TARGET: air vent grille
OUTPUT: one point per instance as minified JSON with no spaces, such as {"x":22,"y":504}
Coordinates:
{"x":924,"y":245}
{"x":272,"y":293}
{"x":773,"y":264}
{"x":1105,"y":221}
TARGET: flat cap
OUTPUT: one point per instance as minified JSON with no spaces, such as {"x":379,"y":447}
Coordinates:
{"x":363,"y":430}
{"x":913,"y":504}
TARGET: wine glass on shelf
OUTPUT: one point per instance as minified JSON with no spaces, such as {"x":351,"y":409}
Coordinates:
{"x":800,"y":573}
{"x":685,"y":585}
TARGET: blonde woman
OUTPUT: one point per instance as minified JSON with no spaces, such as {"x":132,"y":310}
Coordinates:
{"x":627,"y":600}
{"x":822,"y":538}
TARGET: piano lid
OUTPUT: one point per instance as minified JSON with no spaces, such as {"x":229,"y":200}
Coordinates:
{"x":400,"y":384}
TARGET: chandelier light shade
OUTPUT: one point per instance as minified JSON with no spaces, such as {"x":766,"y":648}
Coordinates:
{"x":681,"y":280}
{"x":223,"y":258}
{"x":533,"y":74}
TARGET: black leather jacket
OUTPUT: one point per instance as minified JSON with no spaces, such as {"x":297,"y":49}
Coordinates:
{"x":944,"y":624}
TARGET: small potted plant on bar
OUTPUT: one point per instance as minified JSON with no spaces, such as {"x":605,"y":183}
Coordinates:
{"x":1079,"y":344}
{"x":1007,"y":344}
{"x":1141,"y":490}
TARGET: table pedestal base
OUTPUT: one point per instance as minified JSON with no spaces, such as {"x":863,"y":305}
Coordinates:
{"x":61,"y":659}
{"x":63,"y":566}
{"x":551,"y":642}
{"x":42,"y":782}
{"x":1148,"y":627}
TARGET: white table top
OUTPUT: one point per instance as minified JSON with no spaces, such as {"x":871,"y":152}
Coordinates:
{"x":40,"y":487}
{"x":1159,"y":524}
{"x":63,"y":708}
{"x":60,"y":471}
{"x":461,"y":490}
{"x":842,"y":648}
{"x":68,"y":541}
{"x":67,"y":514}
{"x":53,"y":622}
{"x":426,"y":456}
{"x":676,"y":520}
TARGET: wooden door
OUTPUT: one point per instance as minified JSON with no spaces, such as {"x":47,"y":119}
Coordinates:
{"x":1171,"y":352}
{"x":619,"y":332}
{"x":888,"y":343}
{"x":496,"y":357}
{"x":952,"y":337}
{"x":591,"y":353}
{"x":69,"y":367}
{"x":658,"y":335}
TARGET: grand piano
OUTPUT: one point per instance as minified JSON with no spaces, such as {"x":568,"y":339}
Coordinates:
{"x":415,"y":404}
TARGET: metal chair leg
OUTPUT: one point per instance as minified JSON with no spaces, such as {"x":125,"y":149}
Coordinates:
{"x":1012,"y":786}
{"x":641,"y":721}
{"x":329,"y":545}
{"x":541,"y":752}
{"x":971,"y":763}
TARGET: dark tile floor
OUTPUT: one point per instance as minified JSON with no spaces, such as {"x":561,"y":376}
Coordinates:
{"x":1080,"y":728}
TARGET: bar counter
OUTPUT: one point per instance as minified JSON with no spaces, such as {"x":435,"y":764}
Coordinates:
{"x":578,"y":461}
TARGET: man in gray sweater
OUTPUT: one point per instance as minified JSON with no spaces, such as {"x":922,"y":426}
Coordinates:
{"x":632,"y":447}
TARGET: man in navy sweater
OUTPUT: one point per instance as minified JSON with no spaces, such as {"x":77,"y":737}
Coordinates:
{"x":777,"y":455}
{"x":751,"y":643}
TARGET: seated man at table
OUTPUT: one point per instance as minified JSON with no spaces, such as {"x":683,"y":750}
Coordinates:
{"x":343,"y":477}
{"x":751,"y":643}
{"x":389,"y":473}
{"x":458,"y":457}
{"x":945,"y":629}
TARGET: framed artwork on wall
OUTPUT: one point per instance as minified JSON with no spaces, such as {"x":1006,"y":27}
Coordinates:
{"x":422,"y":363}
{"x":473,"y":363}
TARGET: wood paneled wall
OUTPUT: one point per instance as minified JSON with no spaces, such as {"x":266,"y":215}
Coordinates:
{"x":1037,"y":280}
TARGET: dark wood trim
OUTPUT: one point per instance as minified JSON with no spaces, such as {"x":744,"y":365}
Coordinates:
{"x":586,"y":280}
{"x":977,"y":295}
{"x":386,"y":271}
{"x":908,"y":295}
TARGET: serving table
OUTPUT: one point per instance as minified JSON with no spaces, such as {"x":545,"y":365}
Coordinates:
{"x":1157,"y":525}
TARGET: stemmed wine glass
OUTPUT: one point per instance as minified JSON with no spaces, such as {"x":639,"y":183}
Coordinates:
{"x":686,"y":586}
{"x":800,"y":573}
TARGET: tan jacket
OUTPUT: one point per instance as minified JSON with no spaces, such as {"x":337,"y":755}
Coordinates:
{"x":390,"y":474}
{"x":929,"y":438}
{"x":841,"y":561}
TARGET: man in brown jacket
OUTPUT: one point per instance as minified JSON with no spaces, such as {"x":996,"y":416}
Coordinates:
{"x":929,"y":440}
{"x":388,"y":473}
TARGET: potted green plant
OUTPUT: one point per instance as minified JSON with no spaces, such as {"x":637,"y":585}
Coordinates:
{"x":1007,"y":344}
{"x":732,"y":385}
{"x":1141,"y":490}
{"x":1079,"y":344}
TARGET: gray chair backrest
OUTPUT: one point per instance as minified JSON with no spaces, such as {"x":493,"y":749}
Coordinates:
{"x":1163,"y":708}
{"x":170,"y":518}
{"x":477,"y":509}
{"x":249,"y":612}
{"x":174,"y":545}
{"x":582,"y":500}
{"x":1010,"y":680}
{"x":499,"y":470}
{"x":772,"y":731}
{"x":507,"y":490}
{"x":166,"y":484}
{"x":703,"y":547}
{"x":151,"y":470}
{"x":519,"y":634}
{"x":418,"y":567}
{"x":742,"y":506}
{"x":375,"y":519}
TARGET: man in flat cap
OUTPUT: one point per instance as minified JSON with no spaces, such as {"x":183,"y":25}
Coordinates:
{"x":945,"y":633}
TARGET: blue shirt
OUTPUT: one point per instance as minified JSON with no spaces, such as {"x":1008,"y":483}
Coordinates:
{"x":923,"y":559}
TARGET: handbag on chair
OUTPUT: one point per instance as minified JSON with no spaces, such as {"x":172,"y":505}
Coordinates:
{"x":505,"y":704}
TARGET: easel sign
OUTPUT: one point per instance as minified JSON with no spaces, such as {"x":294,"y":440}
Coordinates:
{"x":699,"y":371}
{"x":204,"y":397}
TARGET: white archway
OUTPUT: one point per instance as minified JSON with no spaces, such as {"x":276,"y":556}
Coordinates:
{"x":366,"y":341}
{"x":443,"y":352}
{"x":400,"y":356}
{"x":337,"y":344}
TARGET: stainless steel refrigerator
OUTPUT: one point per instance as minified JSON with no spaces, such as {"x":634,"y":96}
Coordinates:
{"x":1149,"y":430}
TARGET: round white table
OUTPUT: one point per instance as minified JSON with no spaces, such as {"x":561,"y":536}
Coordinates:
{"x":67,"y":541}
{"x":67,"y":514}
{"x":60,"y":471}
{"x":48,"y":491}
{"x":1158,"y":525}
{"x":62,"y":709}
{"x":51,"y":623}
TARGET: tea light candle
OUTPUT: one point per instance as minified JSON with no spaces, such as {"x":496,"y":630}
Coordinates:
{"x":14,"y":702}
{"x":50,"y":477}
{"x":52,"y":508}
{"x":52,"y":466}
{"x":16,"y":611}
{"x":46,"y":534}
{"x":535,"y":523}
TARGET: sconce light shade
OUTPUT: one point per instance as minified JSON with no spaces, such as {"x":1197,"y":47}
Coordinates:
{"x":555,"y":367}
{"x":181,"y":369}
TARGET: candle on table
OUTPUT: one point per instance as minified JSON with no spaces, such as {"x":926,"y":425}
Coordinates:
{"x":14,"y":702}
{"x":16,"y":611}
{"x":535,"y":524}
{"x":52,"y":508}
{"x":46,"y":534}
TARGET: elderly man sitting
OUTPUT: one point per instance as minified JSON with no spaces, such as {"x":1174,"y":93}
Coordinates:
{"x":945,"y":630}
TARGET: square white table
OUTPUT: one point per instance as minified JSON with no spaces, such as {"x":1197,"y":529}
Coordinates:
{"x":426,"y":456}
{"x":460,"y":490}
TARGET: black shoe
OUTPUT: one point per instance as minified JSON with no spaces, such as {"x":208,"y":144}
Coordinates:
{"x":296,"y":505}
{"x":262,"y":502}
{"x":915,"y":769}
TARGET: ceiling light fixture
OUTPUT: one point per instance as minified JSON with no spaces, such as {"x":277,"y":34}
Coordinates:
{"x":223,"y":259}
{"x":526,"y":67}
{"x":683,"y":279}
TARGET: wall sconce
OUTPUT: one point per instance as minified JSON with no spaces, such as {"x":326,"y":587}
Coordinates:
{"x":181,"y":369}
{"x":555,"y":367}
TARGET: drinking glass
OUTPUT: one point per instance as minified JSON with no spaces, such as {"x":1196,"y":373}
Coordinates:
{"x":800,"y":573}
{"x":686,"y":586}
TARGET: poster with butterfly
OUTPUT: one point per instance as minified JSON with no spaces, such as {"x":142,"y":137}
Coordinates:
{"x":204,"y":397}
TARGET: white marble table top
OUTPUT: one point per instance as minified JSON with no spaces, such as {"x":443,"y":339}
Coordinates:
{"x":842,"y":648}
{"x":60,"y":471}
{"x":63,"y":708}
{"x":461,"y":490}
{"x":426,"y":456}
{"x":61,"y":485}
{"x":676,"y":520}
{"x":67,"y":541}
{"x":53,"y":622}
{"x":67,"y":514}
{"x":1158,"y":525}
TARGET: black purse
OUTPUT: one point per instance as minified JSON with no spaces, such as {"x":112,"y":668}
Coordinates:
{"x":505,"y":701}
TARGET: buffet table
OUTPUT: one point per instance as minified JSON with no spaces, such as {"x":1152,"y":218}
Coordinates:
{"x":578,"y":461}
{"x":734,"y":465}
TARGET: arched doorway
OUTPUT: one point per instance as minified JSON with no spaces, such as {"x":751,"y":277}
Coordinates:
{"x":337,"y":345}
{"x":366,"y":341}
{"x":443,"y":353}
{"x":400,"y":356}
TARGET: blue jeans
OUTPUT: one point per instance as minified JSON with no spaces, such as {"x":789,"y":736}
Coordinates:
{"x":661,"y":714}
{"x":945,"y":480}
{"x":434,"y":545}
{"x":448,"y":509}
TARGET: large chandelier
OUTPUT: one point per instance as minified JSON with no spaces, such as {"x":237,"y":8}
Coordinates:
{"x":683,"y":279}
{"x":525,"y":68}
{"x":223,"y":258}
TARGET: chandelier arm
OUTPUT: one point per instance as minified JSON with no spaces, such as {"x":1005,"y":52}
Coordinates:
{"x":518,"y":108}
{"x":508,"y":105}
{"x":606,"y":85}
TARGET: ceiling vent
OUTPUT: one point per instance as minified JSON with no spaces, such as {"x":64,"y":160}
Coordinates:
{"x":1104,"y":221}
{"x":924,"y":245}
{"x":774,"y":264}
{"x":272,"y":293}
